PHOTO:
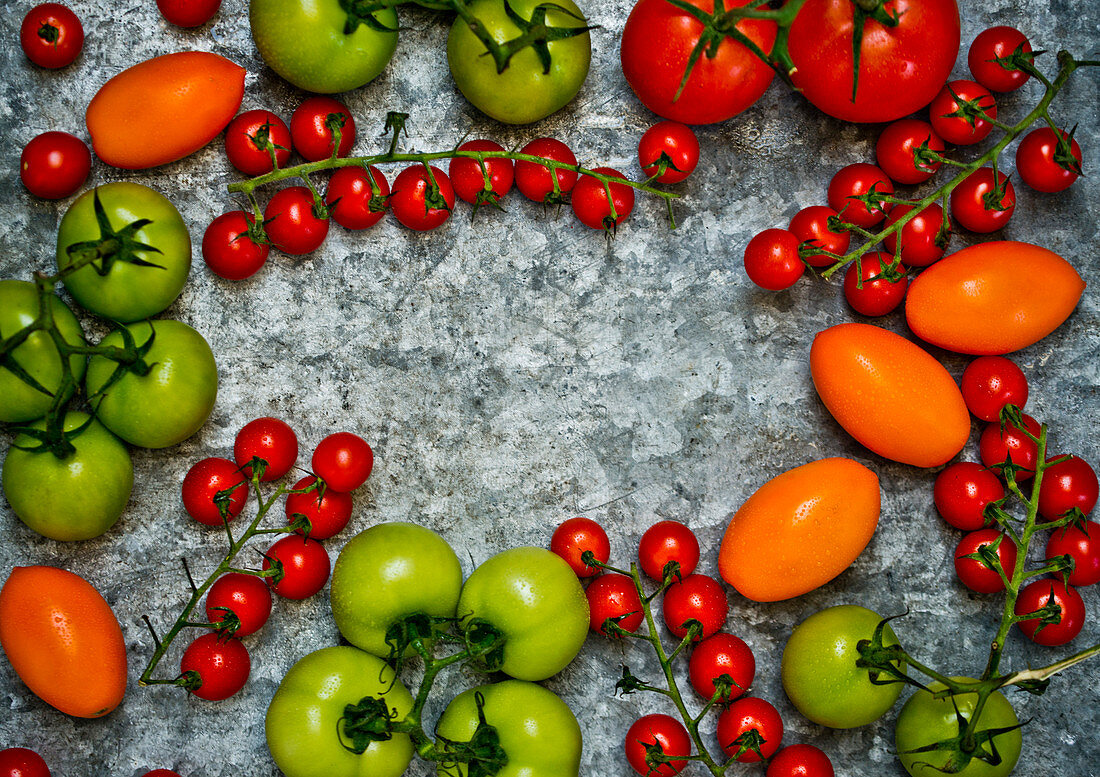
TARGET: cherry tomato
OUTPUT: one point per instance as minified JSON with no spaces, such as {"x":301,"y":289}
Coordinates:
{"x":898,"y":146}
{"x":870,"y":289}
{"x":676,"y":143}
{"x":995,"y":43}
{"x":1067,"y":484}
{"x":667,"y":541}
{"x":997,"y":447}
{"x":717,"y":655}
{"x":955,"y":116}
{"x":662,"y":734}
{"x":1082,"y":544}
{"x":535,"y":181}
{"x":772,"y":261}
{"x":989,"y":383}
{"x":696,"y":597}
{"x":613,"y":596}
{"x":469,"y":177}
{"x":305,"y":563}
{"x":811,"y":225}
{"x":750,"y":730}
{"x":975,"y":573}
{"x":576,"y":535}
{"x":222,"y":664}
{"x":1043,"y":165}
{"x":269,"y":439}
{"x":857,"y":180}
{"x":246,"y":596}
{"x":923,"y":238}
{"x":293,"y":222}
{"x":54,"y":165}
{"x":414,"y":201}
{"x":188,"y":13}
{"x":51,"y":35}
{"x":800,"y":761}
{"x":228,"y":247}
{"x":977,"y":205}
{"x":311,"y":132}
{"x":252,"y":136}
{"x":352,"y":202}
{"x":1058,"y":628}
{"x":161,"y":773}
{"x":204,"y":481}
{"x":22,"y":762}
{"x":962,"y":491}
{"x":343,"y":460}
{"x":592,"y":201}
{"x":328,"y":514}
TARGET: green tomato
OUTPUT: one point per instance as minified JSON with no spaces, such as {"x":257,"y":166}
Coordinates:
{"x":304,"y":724}
{"x":536,"y":601}
{"x":74,"y":498}
{"x":129,"y":281}
{"x":390,"y":571}
{"x":537,"y":730}
{"x":925,"y":720}
{"x":523,"y":93}
{"x":305,"y":41}
{"x":169,"y":403}
{"x":37,"y":355}
{"x":819,"y":668}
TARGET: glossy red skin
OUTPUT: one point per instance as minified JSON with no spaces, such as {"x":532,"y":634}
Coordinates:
{"x":1036,"y":164}
{"x":161,"y":773}
{"x":772,"y":261}
{"x":38,"y":46}
{"x":291,"y":222}
{"x":591,"y":204}
{"x":223,"y":665}
{"x":534,"y":181}
{"x":349,"y":194}
{"x":54,"y":165}
{"x":312,"y":137}
{"x":242,"y":137}
{"x":328,"y":515}
{"x":995,"y":446}
{"x":811,"y":225}
{"x":968,"y":203}
{"x":610,"y":596}
{"x":901,"y":68}
{"x":1082,"y":543}
{"x":697,"y":597}
{"x":407,"y":199}
{"x":468,"y":179}
{"x":957,"y":129}
{"x":973,"y":573}
{"x":1067,"y":484}
{"x":743,"y":716}
{"x":246,"y":595}
{"x":918,"y":236}
{"x":961,"y":492}
{"x":1000,"y":41}
{"x":989,"y":383}
{"x":228,"y":250}
{"x":343,"y":460}
{"x":306,"y":567}
{"x":271,"y":440}
{"x":667,"y":541}
{"x":664,"y":730}
{"x":856,"y":180}
{"x":800,"y":761}
{"x":22,"y":762}
{"x":188,"y":13}
{"x":676,"y":141}
{"x":876,"y":295}
{"x":1036,"y":595}
{"x":204,"y":480}
{"x":576,"y":535}
{"x":896,"y":146}
{"x":717,"y":655}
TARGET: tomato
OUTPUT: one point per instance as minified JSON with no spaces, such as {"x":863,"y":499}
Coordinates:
{"x":294,"y":222}
{"x":675,"y":144}
{"x":975,"y":573}
{"x":981,"y":203}
{"x":613,"y":596}
{"x":22,"y":762}
{"x":989,"y":383}
{"x":126,"y":281}
{"x":923,"y":238}
{"x":530,"y":88}
{"x":37,"y":355}
{"x":188,"y":13}
{"x":819,"y":668}
{"x":1067,"y":484}
{"x":306,"y":718}
{"x":925,"y":720}
{"x":537,"y":730}
{"x":962,"y":112}
{"x":870,"y":288}
{"x":859,"y":180}
{"x":388,"y":572}
{"x":535,"y":181}
{"x":667,"y":541}
{"x":717,"y":655}
{"x":54,"y":165}
{"x":1043,"y":165}
{"x":800,"y":529}
{"x":1056,"y":629}
{"x":74,"y":498}
{"x":599,"y":205}
{"x":417,"y":203}
{"x":328,"y":514}
{"x":230,"y":248}
{"x":351,"y":200}
{"x":171,"y":401}
{"x":246,"y":596}
{"x":343,"y":460}
{"x":991,"y":44}
{"x":307,"y":43}
{"x":51,"y":35}
{"x":1082,"y":544}
{"x":576,"y":535}
{"x":800,"y":761}
{"x":665,"y":735}
{"x":852,"y":363}
{"x":750,"y":730}
{"x":900,"y":67}
{"x":996,"y":446}
{"x":898,"y":150}
{"x":961,"y":492}
{"x":811,"y":225}
{"x":221,"y":663}
{"x":201,"y":486}
{"x":657,"y":44}
{"x":63,"y":640}
{"x":269,"y":439}
{"x":311,"y":128}
{"x":252,"y":136}
{"x":305,"y":565}
{"x":163,"y":109}
{"x":1007,"y":315}
{"x":695,"y":597}
{"x":161,"y":773}
{"x":477,"y":182}
{"x":772,"y":260}
{"x":533,"y":598}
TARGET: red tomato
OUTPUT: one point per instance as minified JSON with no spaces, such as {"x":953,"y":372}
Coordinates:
{"x":870,"y":288}
{"x":328,"y":514}
{"x":717,"y":655}
{"x":22,"y":762}
{"x":995,"y":43}
{"x":468,"y":176}
{"x":657,"y":44}
{"x":696,"y":597}
{"x":343,"y":460}
{"x":352,"y":202}
{"x":661,"y":734}
{"x":772,"y":260}
{"x":996,"y":446}
{"x":1067,"y":484}
{"x":54,"y":165}
{"x":1065,"y":620}
{"x":246,"y":596}
{"x":900,"y":68}
{"x":613,"y":596}
{"x":229,"y":248}
{"x":51,"y":35}
{"x":975,"y":573}
{"x":601,"y":206}
{"x":161,"y":773}
{"x":859,"y":180}
{"x":962,"y":491}
{"x":292,"y":222}
{"x":675,"y":144}
{"x":1082,"y":544}
{"x":311,"y":128}
{"x":222,"y":664}
{"x":989,"y":383}
{"x":576,"y":535}
{"x":898,"y":150}
{"x":750,"y":730}
{"x":252,"y":136}
{"x":981,"y":205}
{"x":188,"y":13}
{"x":416,"y":203}
{"x":923,"y":238}
{"x":667,"y":541}
{"x":202,"y":484}
{"x":535,"y":182}
{"x":962,"y":111}
{"x":305,"y":564}
{"x":269,"y":439}
{"x":1044,"y":165}
{"x":811,"y":225}
{"x":800,"y":761}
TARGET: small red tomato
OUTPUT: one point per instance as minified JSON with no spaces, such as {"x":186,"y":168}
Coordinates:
{"x":54,"y":165}
{"x":246,"y":596}
{"x":601,"y":206}
{"x":923,"y":238}
{"x":1067,"y":484}
{"x":657,"y":733}
{"x":981,"y":204}
{"x":1082,"y":544}
{"x":998,"y":447}
{"x":811,"y":225}
{"x":1044,"y":165}
{"x":800,"y":761}
{"x":995,"y":43}
{"x":293,"y":222}
{"x":51,"y":35}
{"x":312,"y":128}
{"x":613,"y":596}
{"x":989,"y":383}
{"x":202,"y":484}
{"x":161,"y":773}
{"x":352,"y":202}
{"x":252,"y":136}
{"x":480,"y":182}
{"x":696,"y":597}
{"x":772,"y":260}
{"x":1065,"y":619}
{"x":750,"y":730}
{"x":228,"y":247}
{"x":962,"y":491}
{"x":667,"y":541}
{"x":269,"y":439}
{"x":675,"y":144}
{"x":22,"y":762}
{"x":305,"y":565}
{"x":870,"y":288}
{"x":535,"y":181}
{"x":961,"y":112}
{"x":717,"y":655}
{"x":417,"y":202}
{"x":188,"y":13}
{"x":222,"y":664}
{"x":903,"y":150}
{"x":344,"y":461}
{"x":328,"y":514}
{"x":576,"y":535}
{"x":860,"y":180}
{"x":975,"y":573}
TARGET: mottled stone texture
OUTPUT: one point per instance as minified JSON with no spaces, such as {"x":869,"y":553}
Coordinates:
{"x":520,"y":369}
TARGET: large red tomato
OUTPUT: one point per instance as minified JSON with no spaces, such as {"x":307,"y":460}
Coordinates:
{"x":901,"y":67}
{"x":657,"y":44}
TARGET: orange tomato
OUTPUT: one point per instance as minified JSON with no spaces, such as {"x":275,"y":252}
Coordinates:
{"x":800,"y":529}
{"x":163,"y":109}
{"x":63,"y":640}
{"x":992,"y":298}
{"x":889,"y":394}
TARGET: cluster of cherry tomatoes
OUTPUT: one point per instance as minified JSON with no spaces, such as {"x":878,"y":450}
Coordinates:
{"x":24,"y":762}
{"x":969,"y":495}
{"x":721,"y":667}
{"x":215,"y":491}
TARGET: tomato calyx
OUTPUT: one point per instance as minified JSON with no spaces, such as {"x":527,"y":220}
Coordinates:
{"x":360,"y":12}
{"x":113,"y":245}
{"x":482,"y":754}
{"x":885,"y":663}
{"x":49,"y":33}
{"x":417,"y":630}
{"x":484,"y":644}
{"x":536,"y":33}
{"x":371,"y":720}
{"x":966,"y":746}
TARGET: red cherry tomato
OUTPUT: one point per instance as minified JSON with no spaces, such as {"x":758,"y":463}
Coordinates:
{"x":897,"y":149}
{"x":995,"y":43}
{"x":592,"y":204}
{"x":535,"y":181}
{"x":663,"y":734}
{"x":204,"y":481}
{"x":54,"y":165}
{"x":1082,"y":544}
{"x":1043,"y":165}
{"x":676,"y":144}
{"x":977,"y":206}
{"x":352,"y":202}
{"x":772,"y":261}
{"x":696,"y":597}
{"x":292,"y":222}
{"x":414,"y":201}
{"x":800,"y":761}
{"x":1066,"y":619}
{"x":246,"y":596}
{"x":161,"y":773}
{"x":305,"y":563}
{"x":188,"y":13}
{"x":222,"y":664}
{"x":989,"y":383}
{"x":868,"y":287}
{"x":576,"y":535}
{"x":328,"y":514}
{"x":750,"y":730}
{"x":614,"y":596}
{"x":997,"y":447}
{"x":269,"y":439}
{"x":311,"y":132}
{"x":974,"y":573}
{"x":469,"y":178}
{"x":51,"y":35}
{"x":923,"y":238}
{"x":667,"y":541}
{"x":252,"y":136}
{"x":962,"y":491}
{"x":22,"y":762}
{"x":857,"y":180}
{"x":343,"y":460}
{"x":957,"y":111}
{"x":1067,"y":484}
{"x":811,"y":225}
{"x":228,"y":248}
{"x":717,"y":655}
